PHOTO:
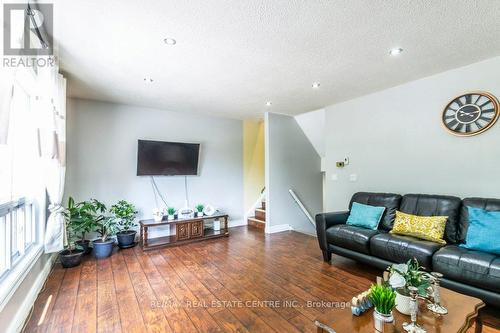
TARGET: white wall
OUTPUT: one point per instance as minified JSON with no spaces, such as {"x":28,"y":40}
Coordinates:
{"x":102,"y":156}
{"x":291,"y":163}
{"x":313,"y":125}
{"x":396,"y":143}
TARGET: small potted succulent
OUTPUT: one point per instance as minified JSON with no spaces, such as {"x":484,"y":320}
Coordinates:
{"x":383,"y":299}
{"x":71,"y":256}
{"x":124,"y":214}
{"x":407,"y":275}
{"x":171,"y":213}
{"x":199,"y":210}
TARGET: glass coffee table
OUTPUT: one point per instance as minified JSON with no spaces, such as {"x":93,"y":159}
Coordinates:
{"x":462,"y":312}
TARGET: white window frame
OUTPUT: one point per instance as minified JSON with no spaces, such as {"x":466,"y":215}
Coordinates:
{"x":19,"y":268}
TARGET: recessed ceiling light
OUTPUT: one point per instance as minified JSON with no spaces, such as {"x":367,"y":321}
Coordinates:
{"x":316,"y":85}
{"x":395,"y":51}
{"x":269,"y":103}
{"x":170,"y":41}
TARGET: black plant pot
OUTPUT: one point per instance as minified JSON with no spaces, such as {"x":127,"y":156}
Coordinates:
{"x":85,"y":245}
{"x":126,"y":239}
{"x":103,"y":249}
{"x":71,"y":259}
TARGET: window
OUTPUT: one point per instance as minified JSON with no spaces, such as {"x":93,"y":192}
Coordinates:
{"x":17,"y":232}
{"x":20,"y":183}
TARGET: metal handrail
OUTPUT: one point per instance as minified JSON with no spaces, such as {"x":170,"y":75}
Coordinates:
{"x":302,"y":207}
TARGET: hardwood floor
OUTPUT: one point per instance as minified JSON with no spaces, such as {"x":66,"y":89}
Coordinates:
{"x":249,"y":282}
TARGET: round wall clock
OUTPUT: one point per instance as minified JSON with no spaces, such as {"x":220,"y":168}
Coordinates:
{"x":471,"y":113}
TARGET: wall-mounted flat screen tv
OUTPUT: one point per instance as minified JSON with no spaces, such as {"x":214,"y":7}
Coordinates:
{"x":158,"y":158}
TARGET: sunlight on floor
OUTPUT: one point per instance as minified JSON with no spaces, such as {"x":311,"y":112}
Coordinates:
{"x":44,"y":313}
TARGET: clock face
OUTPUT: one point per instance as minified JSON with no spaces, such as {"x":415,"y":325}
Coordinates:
{"x":471,"y":114}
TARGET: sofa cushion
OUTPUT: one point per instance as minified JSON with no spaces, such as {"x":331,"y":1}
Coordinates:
{"x":435,"y":205}
{"x":400,"y":249}
{"x":350,"y":237}
{"x":482,"y":203}
{"x":388,"y":200}
{"x":476,"y":268}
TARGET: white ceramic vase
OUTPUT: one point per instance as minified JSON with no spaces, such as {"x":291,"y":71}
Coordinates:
{"x":382,"y":322}
{"x":403,"y":303}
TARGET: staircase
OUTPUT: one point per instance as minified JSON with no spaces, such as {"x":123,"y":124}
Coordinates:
{"x":259,"y":220}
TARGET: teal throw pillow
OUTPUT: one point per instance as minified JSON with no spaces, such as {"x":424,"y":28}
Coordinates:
{"x":483,"y":231}
{"x":365,"y":216}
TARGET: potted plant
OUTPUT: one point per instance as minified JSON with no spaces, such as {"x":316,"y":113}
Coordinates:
{"x":171,"y":213}
{"x":71,"y":256}
{"x":199,"y":210}
{"x":124,"y":213}
{"x":383,"y":299}
{"x":407,"y":275}
{"x":103,"y":246}
{"x":82,"y":217}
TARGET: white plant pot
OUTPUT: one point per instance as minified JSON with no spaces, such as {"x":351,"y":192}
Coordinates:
{"x":383,"y":323}
{"x":171,"y":217}
{"x":199,"y":214}
{"x":403,"y":303}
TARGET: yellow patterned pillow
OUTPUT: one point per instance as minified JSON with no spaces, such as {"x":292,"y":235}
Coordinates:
{"x":425,"y":227}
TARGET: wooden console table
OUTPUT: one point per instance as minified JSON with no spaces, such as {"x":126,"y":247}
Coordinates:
{"x":183,"y":231}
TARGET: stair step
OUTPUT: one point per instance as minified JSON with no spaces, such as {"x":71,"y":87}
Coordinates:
{"x":256,"y":222}
{"x":260,"y":214}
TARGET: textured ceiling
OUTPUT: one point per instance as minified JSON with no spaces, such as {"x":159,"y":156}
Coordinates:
{"x":233,"y":56}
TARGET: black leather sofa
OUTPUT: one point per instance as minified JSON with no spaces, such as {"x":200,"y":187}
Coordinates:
{"x":473,"y":273}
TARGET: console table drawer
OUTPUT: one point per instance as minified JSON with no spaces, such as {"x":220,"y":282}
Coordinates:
{"x":196,"y":229}
{"x":182,"y":231}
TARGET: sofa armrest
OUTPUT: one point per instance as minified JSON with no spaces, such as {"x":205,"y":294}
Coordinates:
{"x":325,"y":221}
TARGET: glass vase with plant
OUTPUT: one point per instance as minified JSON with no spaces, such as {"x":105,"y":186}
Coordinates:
{"x":199,"y":209}
{"x":124,"y":213}
{"x":383,"y":299}
{"x":403,"y":276}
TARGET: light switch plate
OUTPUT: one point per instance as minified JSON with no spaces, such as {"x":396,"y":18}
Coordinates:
{"x":353,"y":177}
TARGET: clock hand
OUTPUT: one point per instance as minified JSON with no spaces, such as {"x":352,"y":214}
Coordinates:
{"x":468,"y":113}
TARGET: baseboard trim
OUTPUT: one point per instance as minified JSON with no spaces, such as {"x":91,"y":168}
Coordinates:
{"x":277,"y":228}
{"x":237,"y":223}
{"x":24,"y":310}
